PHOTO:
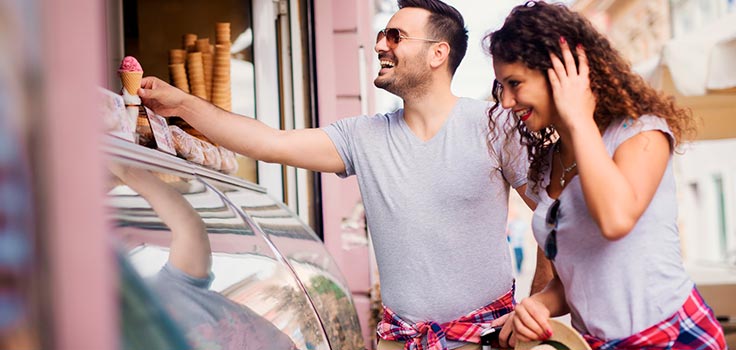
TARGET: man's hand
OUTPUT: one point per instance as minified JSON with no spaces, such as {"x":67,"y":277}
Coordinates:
{"x":162,"y":98}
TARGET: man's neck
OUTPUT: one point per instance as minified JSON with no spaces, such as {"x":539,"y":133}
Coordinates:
{"x":426,"y":114}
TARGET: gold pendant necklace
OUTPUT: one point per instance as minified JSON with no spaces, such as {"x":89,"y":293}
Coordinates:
{"x":565,"y":170}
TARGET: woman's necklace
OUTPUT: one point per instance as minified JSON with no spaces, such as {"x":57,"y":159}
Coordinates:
{"x":565,"y":170}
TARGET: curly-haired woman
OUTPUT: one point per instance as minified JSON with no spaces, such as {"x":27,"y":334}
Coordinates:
{"x":600,"y":144}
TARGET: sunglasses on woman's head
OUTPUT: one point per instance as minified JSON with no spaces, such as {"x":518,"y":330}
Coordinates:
{"x":393,"y":37}
{"x":550,"y":244}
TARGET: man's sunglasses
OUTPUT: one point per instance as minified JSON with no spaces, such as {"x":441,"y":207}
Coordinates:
{"x":393,"y":37}
{"x":550,"y":244}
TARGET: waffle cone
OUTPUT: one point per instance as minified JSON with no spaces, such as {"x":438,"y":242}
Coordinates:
{"x":222,"y":30}
{"x":221,"y":94}
{"x":203,"y":45}
{"x":219,"y":77}
{"x":221,"y":89}
{"x":177,"y":56}
{"x":131,"y":81}
{"x":207,"y":64}
{"x":179,"y":76}
{"x":198,"y":90}
{"x":196,"y":75}
{"x":188,"y":42}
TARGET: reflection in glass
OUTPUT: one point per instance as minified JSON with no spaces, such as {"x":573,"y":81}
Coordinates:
{"x":310,"y":261}
{"x":146,"y":325}
{"x":181,"y":235}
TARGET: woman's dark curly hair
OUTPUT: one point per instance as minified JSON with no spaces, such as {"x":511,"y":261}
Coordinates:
{"x":532,"y":31}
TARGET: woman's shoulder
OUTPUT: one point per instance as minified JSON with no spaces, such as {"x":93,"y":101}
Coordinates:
{"x":643,"y":122}
{"x":622,"y":129}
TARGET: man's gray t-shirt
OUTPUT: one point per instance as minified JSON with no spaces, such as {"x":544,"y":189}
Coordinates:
{"x":436,"y":210}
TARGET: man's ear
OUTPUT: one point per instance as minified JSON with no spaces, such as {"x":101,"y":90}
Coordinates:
{"x":440,"y":54}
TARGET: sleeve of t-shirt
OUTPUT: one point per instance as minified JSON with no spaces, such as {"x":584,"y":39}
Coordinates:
{"x":630,"y":127}
{"x":512,"y":155}
{"x":341,"y":133}
{"x":170,"y":273}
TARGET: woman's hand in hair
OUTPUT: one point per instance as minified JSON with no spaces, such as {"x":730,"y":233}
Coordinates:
{"x":571,"y":91}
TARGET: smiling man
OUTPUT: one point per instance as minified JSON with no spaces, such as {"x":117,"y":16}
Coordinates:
{"x":434,"y":177}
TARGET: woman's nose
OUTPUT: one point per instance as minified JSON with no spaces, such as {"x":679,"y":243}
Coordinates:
{"x":507,"y":100}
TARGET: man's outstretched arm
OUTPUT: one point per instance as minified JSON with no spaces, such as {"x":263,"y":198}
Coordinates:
{"x":305,"y":148}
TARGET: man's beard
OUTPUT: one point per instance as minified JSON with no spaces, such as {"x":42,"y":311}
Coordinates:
{"x":409,"y":84}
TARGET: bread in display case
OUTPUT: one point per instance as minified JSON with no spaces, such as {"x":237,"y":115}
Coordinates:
{"x":228,"y":265}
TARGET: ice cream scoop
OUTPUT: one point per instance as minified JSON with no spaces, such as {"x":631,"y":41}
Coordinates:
{"x":131,"y":74}
{"x":130,"y":64}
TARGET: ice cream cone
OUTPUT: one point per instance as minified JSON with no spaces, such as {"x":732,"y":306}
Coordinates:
{"x":131,"y":74}
{"x":131,"y":81}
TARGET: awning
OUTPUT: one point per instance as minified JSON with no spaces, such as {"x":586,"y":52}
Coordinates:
{"x":699,"y":69}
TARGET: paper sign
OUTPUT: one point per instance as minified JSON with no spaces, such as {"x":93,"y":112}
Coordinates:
{"x":161,"y":133}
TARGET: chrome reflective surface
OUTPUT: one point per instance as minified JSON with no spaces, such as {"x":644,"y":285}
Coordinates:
{"x":222,"y":283}
{"x":309,"y":259}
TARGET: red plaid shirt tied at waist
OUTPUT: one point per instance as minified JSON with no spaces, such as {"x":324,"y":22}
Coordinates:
{"x":691,"y":327}
{"x":466,"y":329}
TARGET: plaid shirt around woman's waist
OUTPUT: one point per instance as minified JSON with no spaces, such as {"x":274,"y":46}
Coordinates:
{"x":693,"y":326}
{"x":466,"y":329}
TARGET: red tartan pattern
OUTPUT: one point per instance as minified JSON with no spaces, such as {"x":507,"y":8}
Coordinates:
{"x":692,"y":327}
{"x":467,"y":328}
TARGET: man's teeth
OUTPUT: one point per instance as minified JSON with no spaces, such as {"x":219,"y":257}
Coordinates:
{"x":387,"y":64}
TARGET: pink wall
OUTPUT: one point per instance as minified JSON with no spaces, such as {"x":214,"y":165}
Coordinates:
{"x":72,"y":164}
{"x":341,"y":27}
{"x":83,"y":291}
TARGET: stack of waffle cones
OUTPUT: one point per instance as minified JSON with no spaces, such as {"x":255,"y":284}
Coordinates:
{"x":203,"y":69}
{"x":177,"y":69}
{"x":203,"y":46}
{"x":221,"y":92}
{"x":195,"y":68}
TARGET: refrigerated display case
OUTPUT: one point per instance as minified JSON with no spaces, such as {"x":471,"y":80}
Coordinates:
{"x":228,"y":266}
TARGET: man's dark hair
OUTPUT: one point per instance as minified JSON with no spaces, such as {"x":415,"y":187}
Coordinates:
{"x":445,"y":23}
